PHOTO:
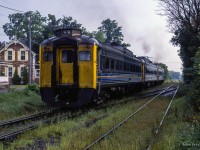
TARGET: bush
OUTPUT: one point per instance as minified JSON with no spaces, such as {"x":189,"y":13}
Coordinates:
{"x":33,"y":88}
{"x":25,"y":76}
{"x":16,"y":79}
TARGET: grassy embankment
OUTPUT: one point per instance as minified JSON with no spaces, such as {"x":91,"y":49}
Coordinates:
{"x":19,"y":101}
{"x":180,"y":130}
{"x":75,"y":134}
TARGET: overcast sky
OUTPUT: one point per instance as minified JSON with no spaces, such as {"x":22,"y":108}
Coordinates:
{"x":146,"y":31}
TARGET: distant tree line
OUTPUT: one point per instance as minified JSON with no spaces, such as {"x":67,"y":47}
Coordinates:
{"x":173,"y":75}
{"x":44,"y":27}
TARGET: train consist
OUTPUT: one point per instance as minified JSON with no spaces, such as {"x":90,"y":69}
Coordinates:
{"x":76,"y":70}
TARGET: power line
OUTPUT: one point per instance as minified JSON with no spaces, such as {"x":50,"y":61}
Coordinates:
{"x":12,"y":9}
{"x":13,"y":4}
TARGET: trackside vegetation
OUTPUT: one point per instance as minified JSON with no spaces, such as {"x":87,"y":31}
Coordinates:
{"x":79,"y":132}
{"x":180,"y":129}
{"x":18,"y":102}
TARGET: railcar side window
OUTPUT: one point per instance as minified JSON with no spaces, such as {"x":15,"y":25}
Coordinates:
{"x":112,"y":64}
{"x":84,"y":56}
{"x":103,"y":65}
{"x":128,"y":67}
{"x":107,"y":63}
{"x":124,"y":66}
{"x":117,"y":65}
{"x":67,"y":56}
{"x":121,"y":65}
{"x":47,"y":56}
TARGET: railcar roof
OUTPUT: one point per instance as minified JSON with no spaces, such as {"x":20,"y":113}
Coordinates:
{"x":83,"y":39}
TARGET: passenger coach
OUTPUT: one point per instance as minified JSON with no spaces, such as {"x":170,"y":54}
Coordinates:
{"x":76,"y":69}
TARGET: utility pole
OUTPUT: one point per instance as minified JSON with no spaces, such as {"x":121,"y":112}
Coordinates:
{"x":30,"y":57}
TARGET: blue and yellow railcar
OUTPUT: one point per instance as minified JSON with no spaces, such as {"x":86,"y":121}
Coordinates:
{"x":76,"y":69}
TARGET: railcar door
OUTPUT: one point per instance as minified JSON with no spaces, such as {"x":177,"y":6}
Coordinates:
{"x":65,"y":66}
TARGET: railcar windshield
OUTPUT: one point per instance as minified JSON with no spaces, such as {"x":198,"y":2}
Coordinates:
{"x":84,"y":56}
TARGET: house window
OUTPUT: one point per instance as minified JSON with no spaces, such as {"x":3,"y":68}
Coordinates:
{"x":10,"y":71}
{"x":9,"y":55}
{"x":37,"y":72}
{"x":22,"y":55}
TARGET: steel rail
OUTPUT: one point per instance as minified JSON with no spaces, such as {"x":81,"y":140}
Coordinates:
{"x":153,"y":93}
{"x":33,"y":126}
{"x":134,"y":98}
{"x":122,"y":122}
{"x":28,"y":117}
{"x":162,"y":120}
{"x":18,"y":120}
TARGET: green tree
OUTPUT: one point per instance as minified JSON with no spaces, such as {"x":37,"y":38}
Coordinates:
{"x":112,"y":32}
{"x":99,"y":36}
{"x":166,"y":72}
{"x":25,"y":76}
{"x":19,"y":27}
{"x":184,"y":21}
{"x":68,"y":22}
{"x":16,"y":79}
{"x":194,"y":87}
{"x":174,"y":75}
{"x":41,"y":27}
{"x":51,"y":25}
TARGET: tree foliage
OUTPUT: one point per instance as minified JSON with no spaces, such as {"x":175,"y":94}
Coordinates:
{"x":16,"y":79}
{"x":193,"y":93}
{"x":112,"y":32}
{"x":173,"y":75}
{"x":166,"y":72}
{"x":19,"y":27}
{"x":41,"y":27}
{"x":25,"y":76}
{"x":184,"y":21}
{"x":44,"y":27}
{"x":181,"y":13}
{"x":99,"y":36}
{"x":51,"y":25}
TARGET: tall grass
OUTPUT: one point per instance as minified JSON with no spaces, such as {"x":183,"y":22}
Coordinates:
{"x":181,"y":129}
{"x":76,"y":135}
{"x":19,"y":102}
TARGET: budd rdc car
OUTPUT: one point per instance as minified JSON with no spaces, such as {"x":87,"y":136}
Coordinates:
{"x":76,"y":69}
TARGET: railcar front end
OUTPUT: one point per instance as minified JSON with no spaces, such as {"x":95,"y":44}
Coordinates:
{"x":68,"y":69}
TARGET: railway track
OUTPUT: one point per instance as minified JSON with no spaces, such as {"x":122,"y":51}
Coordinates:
{"x":14,"y":127}
{"x":139,"y":96}
{"x":169,"y":89}
{"x":37,"y":119}
{"x":28,"y":117}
